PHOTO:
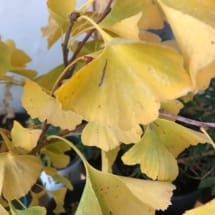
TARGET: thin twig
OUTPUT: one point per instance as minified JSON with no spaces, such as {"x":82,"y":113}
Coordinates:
{"x":72,"y":18}
{"x":69,"y":73}
{"x":188,"y":121}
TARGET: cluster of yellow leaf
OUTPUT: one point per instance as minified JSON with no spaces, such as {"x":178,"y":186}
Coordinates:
{"x":13,"y":60}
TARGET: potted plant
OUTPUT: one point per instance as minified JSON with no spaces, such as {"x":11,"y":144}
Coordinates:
{"x":121,"y":88}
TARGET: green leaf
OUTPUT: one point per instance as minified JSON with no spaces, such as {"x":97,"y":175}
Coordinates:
{"x":99,"y":91}
{"x":18,"y":174}
{"x":45,"y":107}
{"x":48,"y":80}
{"x":162,"y":142}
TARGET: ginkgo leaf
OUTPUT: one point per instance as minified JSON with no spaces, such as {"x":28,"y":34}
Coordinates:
{"x":108,"y":159}
{"x":5,"y":56}
{"x":205,"y":209}
{"x":59,"y":196}
{"x":24,"y":138}
{"x":99,"y":91}
{"x":128,"y":28}
{"x":3,"y":211}
{"x":55,"y":151}
{"x":52,"y":31}
{"x":60,"y":10}
{"x":36,"y":210}
{"x":41,"y":105}
{"x":172,"y":106}
{"x":162,"y":142}
{"x":151,"y":16}
{"x":19,"y":171}
{"x":106,"y":193}
{"x":48,"y":80}
{"x":107,"y":138}
{"x":195,"y":17}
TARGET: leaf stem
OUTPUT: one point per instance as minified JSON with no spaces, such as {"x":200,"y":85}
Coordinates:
{"x":188,"y":121}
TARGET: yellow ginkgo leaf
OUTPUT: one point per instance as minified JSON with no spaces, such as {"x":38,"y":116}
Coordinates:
{"x":61,"y":9}
{"x":20,"y":171}
{"x":36,"y":210}
{"x":3,"y":211}
{"x":99,"y":91}
{"x":5,"y":56}
{"x":128,"y":28}
{"x":59,"y":196}
{"x":24,"y":138}
{"x":107,"y":138}
{"x":52,"y":31}
{"x":161,"y":144}
{"x":172,"y":106}
{"x":41,"y":105}
{"x":151,"y":16}
{"x":195,"y":17}
{"x":206,"y":209}
{"x":106,"y":193}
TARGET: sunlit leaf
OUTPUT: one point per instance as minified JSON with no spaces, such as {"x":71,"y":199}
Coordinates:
{"x":162,"y":142}
{"x":99,"y":91}
{"x":106,"y":193}
{"x":48,"y":80}
{"x":206,"y":209}
{"x":3,"y":211}
{"x":41,"y":105}
{"x":24,"y":138}
{"x":107,"y":138}
{"x":20,"y":172}
{"x":195,"y":17}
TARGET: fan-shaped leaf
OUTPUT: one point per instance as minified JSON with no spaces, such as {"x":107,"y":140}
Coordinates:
{"x":3,"y":211}
{"x":41,"y":105}
{"x":24,"y":138}
{"x":195,"y":17}
{"x":99,"y":92}
{"x":19,"y":171}
{"x":5,"y":56}
{"x":206,"y":209}
{"x":107,"y":138}
{"x":36,"y":210}
{"x":109,"y":194}
{"x":161,"y":144}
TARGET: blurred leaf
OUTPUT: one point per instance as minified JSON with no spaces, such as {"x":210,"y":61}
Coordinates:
{"x":41,"y":105}
{"x":197,"y":17}
{"x":206,"y":209}
{"x":162,"y":142}
{"x":24,"y":138}
{"x":172,"y":106}
{"x":99,"y":91}
{"x":55,"y":151}
{"x":36,"y":210}
{"x":48,"y":80}
{"x":18,"y":171}
{"x":3,"y":211}
{"x":5,"y":56}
